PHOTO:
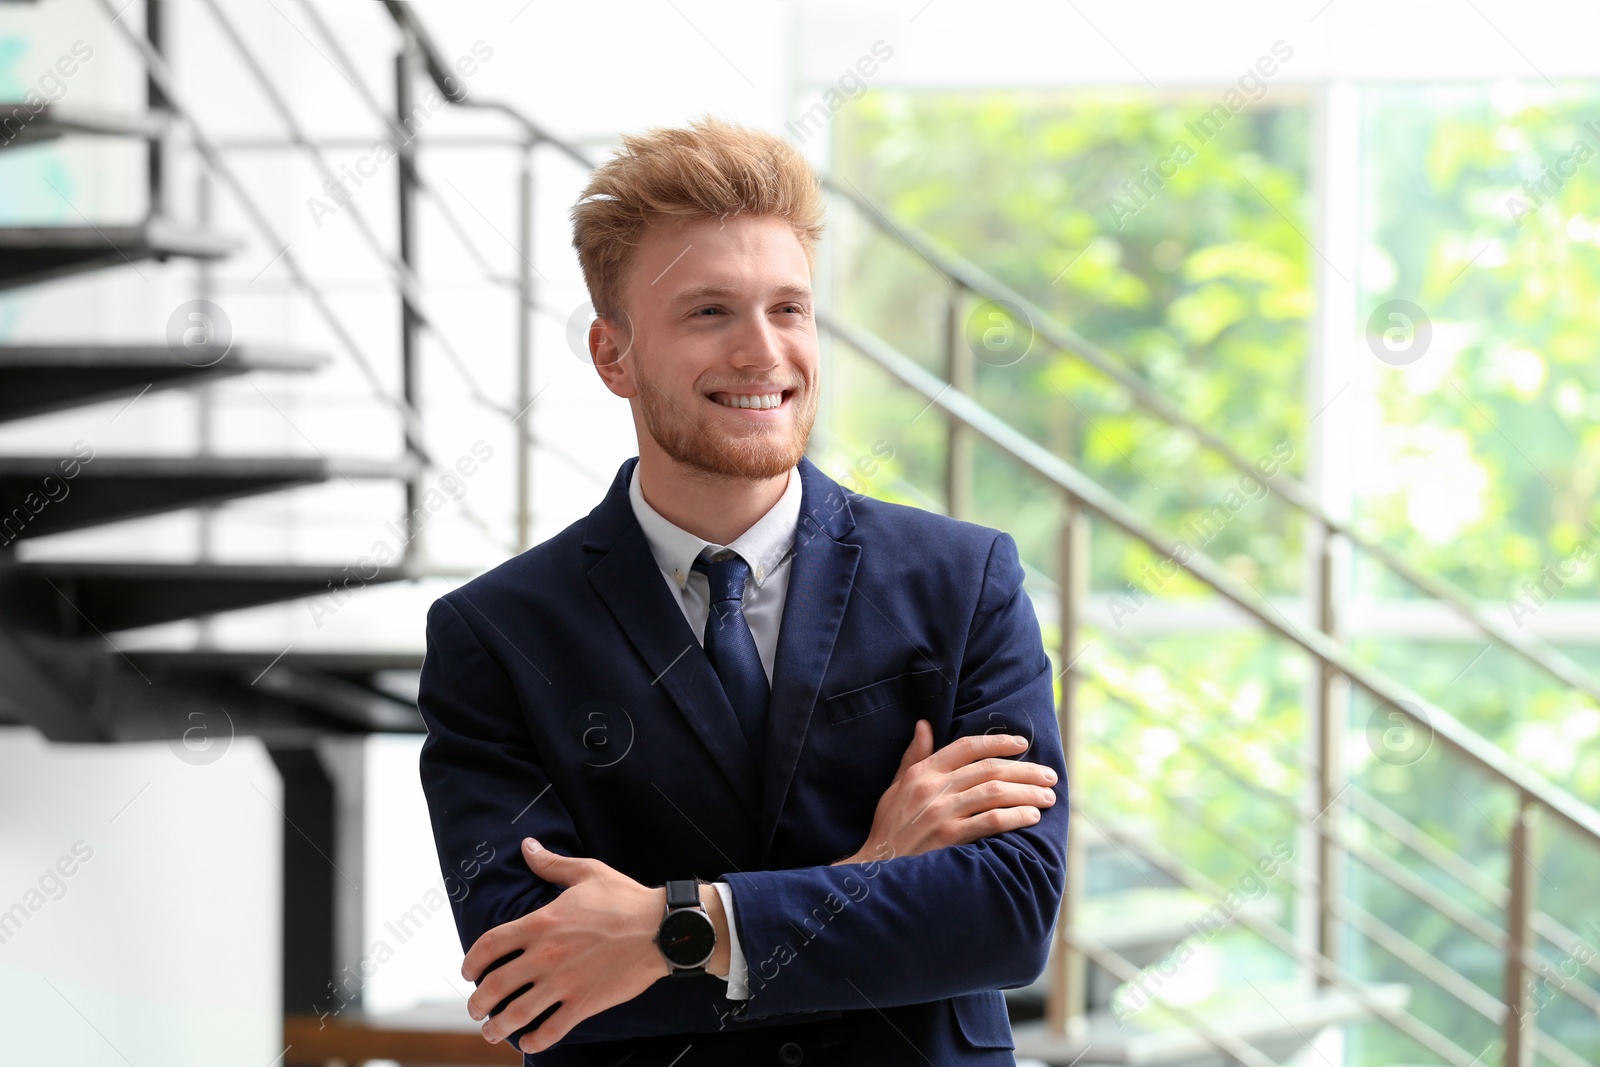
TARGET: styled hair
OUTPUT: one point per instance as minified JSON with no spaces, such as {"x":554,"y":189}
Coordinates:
{"x":711,"y":169}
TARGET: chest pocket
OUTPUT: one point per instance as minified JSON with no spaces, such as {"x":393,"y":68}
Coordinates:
{"x":911,"y":688}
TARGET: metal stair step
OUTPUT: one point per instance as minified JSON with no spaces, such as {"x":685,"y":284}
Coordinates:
{"x":349,"y":664}
{"x":38,"y":379}
{"x":32,"y":254}
{"x":20,"y":126}
{"x":78,"y":599}
{"x":1277,"y":1026}
{"x":37,"y":498}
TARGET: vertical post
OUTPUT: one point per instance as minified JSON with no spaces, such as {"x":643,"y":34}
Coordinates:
{"x":309,"y":908}
{"x":1519,"y":1027}
{"x":409,"y":324}
{"x":958,"y":371}
{"x":155,"y":101}
{"x":1329,"y":713}
{"x":1334,"y":363}
{"x":1066,"y":976}
{"x":524,"y":472}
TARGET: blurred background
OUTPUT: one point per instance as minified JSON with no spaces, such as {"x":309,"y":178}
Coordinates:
{"x":1267,"y":329}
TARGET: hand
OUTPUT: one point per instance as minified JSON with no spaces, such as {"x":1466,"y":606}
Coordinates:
{"x":590,"y":948}
{"x":963,"y":792}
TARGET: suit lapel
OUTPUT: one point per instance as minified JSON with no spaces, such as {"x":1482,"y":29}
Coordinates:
{"x":821,"y":577}
{"x":821,"y":574}
{"x":628,"y":579}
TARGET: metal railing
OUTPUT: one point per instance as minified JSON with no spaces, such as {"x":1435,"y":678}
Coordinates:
{"x":1081,"y":498}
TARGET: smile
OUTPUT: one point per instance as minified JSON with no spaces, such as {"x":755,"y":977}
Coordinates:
{"x":751,"y":401}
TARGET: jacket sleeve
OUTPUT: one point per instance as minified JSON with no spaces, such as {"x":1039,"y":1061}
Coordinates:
{"x":955,"y":920}
{"x":487,"y":789}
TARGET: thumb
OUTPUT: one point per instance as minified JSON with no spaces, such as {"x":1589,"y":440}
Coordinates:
{"x":921,"y":746}
{"x":550,"y":867}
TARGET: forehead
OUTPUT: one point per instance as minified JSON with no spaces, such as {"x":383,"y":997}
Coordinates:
{"x":738,"y":254}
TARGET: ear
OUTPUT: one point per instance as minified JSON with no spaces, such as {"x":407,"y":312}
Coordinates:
{"x":610,"y":344}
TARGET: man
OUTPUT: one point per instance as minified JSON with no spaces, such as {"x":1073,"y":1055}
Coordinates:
{"x":695,"y":732}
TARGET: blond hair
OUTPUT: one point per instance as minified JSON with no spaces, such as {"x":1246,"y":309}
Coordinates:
{"x":709,"y":170}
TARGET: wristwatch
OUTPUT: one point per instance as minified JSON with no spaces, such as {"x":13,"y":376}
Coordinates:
{"x":686,"y":937}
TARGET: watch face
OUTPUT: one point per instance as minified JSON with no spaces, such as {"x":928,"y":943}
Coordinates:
{"x":687,"y":938}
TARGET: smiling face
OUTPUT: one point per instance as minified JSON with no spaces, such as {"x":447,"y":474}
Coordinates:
{"x":721,"y":364}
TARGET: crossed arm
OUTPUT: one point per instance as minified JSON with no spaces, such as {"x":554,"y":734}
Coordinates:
{"x":958,"y":882}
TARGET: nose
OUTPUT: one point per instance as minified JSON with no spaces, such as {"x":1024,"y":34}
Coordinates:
{"x":758,"y":347}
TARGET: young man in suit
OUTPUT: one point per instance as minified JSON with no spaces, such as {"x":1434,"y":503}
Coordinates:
{"x":728,"y":771}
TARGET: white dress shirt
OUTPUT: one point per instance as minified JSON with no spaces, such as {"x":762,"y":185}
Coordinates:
{"x":767,"y":547}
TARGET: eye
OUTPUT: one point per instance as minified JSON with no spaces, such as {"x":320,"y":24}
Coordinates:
{"x":701,"y":311}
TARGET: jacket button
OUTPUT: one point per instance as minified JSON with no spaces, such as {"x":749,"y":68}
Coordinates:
{"x":790,"y":1054}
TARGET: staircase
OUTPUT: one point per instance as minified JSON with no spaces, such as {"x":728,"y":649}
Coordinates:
{"x":63,"y":617}
{"x":1319,"y":857}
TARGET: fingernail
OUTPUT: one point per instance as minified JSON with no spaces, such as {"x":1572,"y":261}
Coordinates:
{"x":1049,"y":775}
{"x":531,"y":845}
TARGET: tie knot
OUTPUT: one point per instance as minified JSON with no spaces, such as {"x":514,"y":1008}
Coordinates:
{"x":726,"y":576}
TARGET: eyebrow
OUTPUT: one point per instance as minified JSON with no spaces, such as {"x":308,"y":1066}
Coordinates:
{"x":701,"y":292}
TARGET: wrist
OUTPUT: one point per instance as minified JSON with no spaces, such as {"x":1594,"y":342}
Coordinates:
{"x":722,"y":953}
{"x":659,"y":967}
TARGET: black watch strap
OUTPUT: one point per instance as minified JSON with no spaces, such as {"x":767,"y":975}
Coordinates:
{"x":683,"y":893}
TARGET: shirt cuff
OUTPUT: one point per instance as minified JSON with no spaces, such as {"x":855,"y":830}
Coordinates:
{"x":738,"y":978}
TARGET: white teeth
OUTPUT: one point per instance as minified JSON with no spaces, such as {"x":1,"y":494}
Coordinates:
{"x":761,"y":402}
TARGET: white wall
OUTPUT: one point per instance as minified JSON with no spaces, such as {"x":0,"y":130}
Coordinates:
{"x":162,"y":945}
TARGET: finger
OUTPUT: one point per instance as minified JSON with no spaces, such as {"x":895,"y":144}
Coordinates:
{"x":552,"y":867}
{"x":520,"y":1012}
{"x":1002,"y":770}
{"x":964,"y":750}
{"x":551,"y":1030}
{"x":504,"y":982}
{"x":493,"y":947}
{"x":988,"y":796}
{"x":921,"y":746}
{"x":994,"y":822}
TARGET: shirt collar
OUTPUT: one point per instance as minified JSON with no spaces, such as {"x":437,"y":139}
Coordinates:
{"x":763,"y":546}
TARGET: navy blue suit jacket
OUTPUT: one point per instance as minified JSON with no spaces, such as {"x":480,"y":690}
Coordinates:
{"x":567,"y":698}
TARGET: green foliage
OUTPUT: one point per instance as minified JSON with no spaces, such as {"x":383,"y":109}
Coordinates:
{"x":1480,"y":462}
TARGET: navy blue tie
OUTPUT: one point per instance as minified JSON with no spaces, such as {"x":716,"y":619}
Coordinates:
{"x":732,"y":649}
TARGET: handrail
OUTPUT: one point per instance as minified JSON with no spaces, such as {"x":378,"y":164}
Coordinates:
{"x":1090,"y":494}
{"x":1063,"y":338}
{"x":1428,"y":965}
{"x":1085,"y":492}
{"x":438,"y":73}
{"x":1381,"y":864}
{"x":1403,"y":948}
{"x":977,"y":281}
{"x":1237,"y":1050}
{"x":411,"y":425}
{"x":1171,"y":865}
